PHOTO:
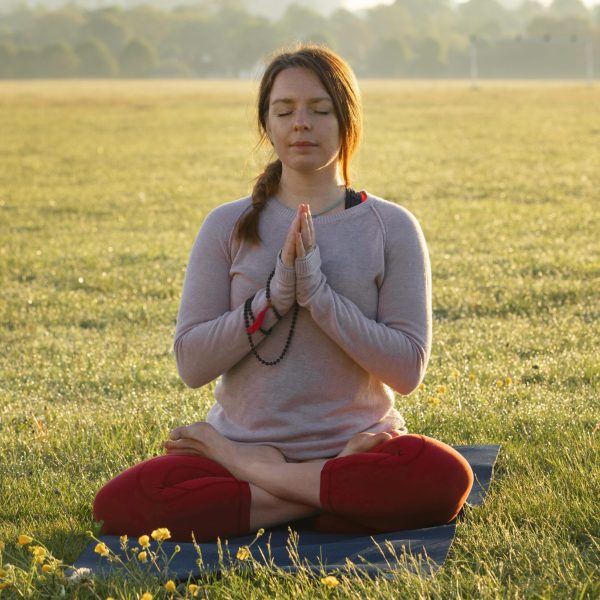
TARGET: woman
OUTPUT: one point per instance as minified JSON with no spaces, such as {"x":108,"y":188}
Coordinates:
{"x":310,"y":301}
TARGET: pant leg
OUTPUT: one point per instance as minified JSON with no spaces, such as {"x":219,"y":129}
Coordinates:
{"x":182,"y":492}
{"x":408,"y":482}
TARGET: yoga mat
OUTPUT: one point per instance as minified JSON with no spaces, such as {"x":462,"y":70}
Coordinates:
{"x":420,"y":550}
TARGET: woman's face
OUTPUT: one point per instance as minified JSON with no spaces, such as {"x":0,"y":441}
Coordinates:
{"x":301,"y":122}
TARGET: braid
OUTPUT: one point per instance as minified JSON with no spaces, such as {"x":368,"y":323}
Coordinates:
{"x":266,"y":185}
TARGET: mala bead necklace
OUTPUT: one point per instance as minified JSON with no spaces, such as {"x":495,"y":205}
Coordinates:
{"x":257,"y":322}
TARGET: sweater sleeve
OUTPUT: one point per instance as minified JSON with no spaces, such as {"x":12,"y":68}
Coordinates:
{"x":395,"y":347}
{"x":210,"y":337}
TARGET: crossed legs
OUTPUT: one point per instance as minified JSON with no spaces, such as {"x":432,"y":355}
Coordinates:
{"x":217,"y":488}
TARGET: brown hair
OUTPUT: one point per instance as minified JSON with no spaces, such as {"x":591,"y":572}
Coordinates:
{"x":339,"y":81}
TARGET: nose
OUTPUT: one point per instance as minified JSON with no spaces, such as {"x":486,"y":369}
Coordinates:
{"x":301,"y":122}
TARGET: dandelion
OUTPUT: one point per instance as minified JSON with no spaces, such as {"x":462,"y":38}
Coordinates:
{"x":38,"y":551}
{"x":144,"y":541}
{"x":146,"y":596}
{"x":161,"y":534}
{"x":24,"y":540}
{"x":330,"y":581}
{"x":508,"y":381}
{"x":441,"y":389}
{"x":142,"y":557}
{"x":101,"y":549}
{"x":81,"y":574}
{"x":170,"y":586}
{"x":434,"y":401}
{"x":472,"y":377}
{"x":47,"y":569}
{"x":421,"y":387}
{"x":123,"y":539}
{"x":243,"y":553}
{"x":193,"y":589}
{"x":499,"y":383}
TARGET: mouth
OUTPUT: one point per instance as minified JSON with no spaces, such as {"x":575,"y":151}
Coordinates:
{"x":302,"y":144}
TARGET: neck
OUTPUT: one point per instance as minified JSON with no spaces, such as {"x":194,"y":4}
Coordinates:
{"x":319,"y":189}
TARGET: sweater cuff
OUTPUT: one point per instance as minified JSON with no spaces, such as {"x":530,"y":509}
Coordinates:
{"x":309,"y":264}
{"x":283,"y":287}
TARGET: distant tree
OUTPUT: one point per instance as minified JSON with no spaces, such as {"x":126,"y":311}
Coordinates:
{"x":352,"y":38}
{"x":172,"y":69}
{"x":26,"y":63}
{"x":57,"y":60}
{"x":486,"y":18}
{"x":392,"y":21}
{"x":568,"y":8}
{"x":528,"y":10}
{"x":299,"y":22}
{"x":252,"y":42}
{"x":8,"y":54}
{"x":429,"y":58}
{"x":57,"y":26}
{"x":95,"y":60}
{"x":195,"y":41}
{"x":559,"y":28}
{"x":106,"y":28}
{"x":148,"y":23}
{"x":137,"y":59}
{"x":389,"y":58}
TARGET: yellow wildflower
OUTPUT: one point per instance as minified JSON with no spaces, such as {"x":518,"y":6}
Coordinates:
{"x":2,"y":546}
{"x":123,"y":539}
{"x":499,"y":383}
{"x":243,"y":553}
{"x":101,"y":549}
{"x":435,"y":401}
{"x":161,"y":534}
{"x":3,"y":573}
{"x":421,"y":387}
{"x":146,"y":596}
{"x":24,"y":540}
{"x":38,"y":550}
{"x":472,"y":377}
{"x":142,"y":557}
{"x":260,"y":532}
{"x":193,"y":589}
{"x":508,"y":381}
{"x":442,"y":389}
{"x":47,"y":569}
{"x":109,"y":598}
{"x":144,"y":541}
{"x":330,"y":581}
{"x":170,"y":586}
{"x":455,"y":373}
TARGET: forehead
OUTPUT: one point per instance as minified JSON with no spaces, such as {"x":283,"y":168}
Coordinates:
{"x":297,"y":84}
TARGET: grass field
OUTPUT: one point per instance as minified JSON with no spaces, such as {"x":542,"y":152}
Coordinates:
{"x":103,"y":187}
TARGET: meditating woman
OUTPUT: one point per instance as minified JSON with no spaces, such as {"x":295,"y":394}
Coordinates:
{"x":311,"y":302}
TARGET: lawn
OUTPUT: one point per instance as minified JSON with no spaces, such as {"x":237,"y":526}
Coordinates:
{"x":103,"y":186}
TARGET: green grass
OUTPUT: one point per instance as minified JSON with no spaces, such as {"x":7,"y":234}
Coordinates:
{"x":103,"y":187}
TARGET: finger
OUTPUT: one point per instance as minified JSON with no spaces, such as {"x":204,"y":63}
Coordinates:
{"x":305,"y":231}
{"x":300,"y":253}
{"x":311,"y":226}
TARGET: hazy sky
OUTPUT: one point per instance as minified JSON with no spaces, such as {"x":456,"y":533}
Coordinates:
{"x":356,"y":4}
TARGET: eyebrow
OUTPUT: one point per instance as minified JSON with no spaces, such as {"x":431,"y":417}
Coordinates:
{"x":291,"y":100}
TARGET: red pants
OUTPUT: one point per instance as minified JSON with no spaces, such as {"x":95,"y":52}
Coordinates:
{"x":407,"y":482}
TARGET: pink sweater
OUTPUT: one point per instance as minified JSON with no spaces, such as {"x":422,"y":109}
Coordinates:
{"x":364,"y":326}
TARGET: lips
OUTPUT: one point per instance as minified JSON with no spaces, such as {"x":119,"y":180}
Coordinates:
{"x":303,"y":144}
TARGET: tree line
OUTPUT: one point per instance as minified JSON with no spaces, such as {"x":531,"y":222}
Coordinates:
{"x":221,"y":38}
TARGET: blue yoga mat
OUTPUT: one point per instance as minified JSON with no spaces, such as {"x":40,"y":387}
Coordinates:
{"x":421,"y":550}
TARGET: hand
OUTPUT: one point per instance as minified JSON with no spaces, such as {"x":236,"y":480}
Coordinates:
{"x":300,"y":239}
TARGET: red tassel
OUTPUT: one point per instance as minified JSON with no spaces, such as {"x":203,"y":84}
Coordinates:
{"x":259,"y":321}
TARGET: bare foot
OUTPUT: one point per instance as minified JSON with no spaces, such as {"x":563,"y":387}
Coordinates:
{"x":363,"y":442}
{"x":203,"y":439}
